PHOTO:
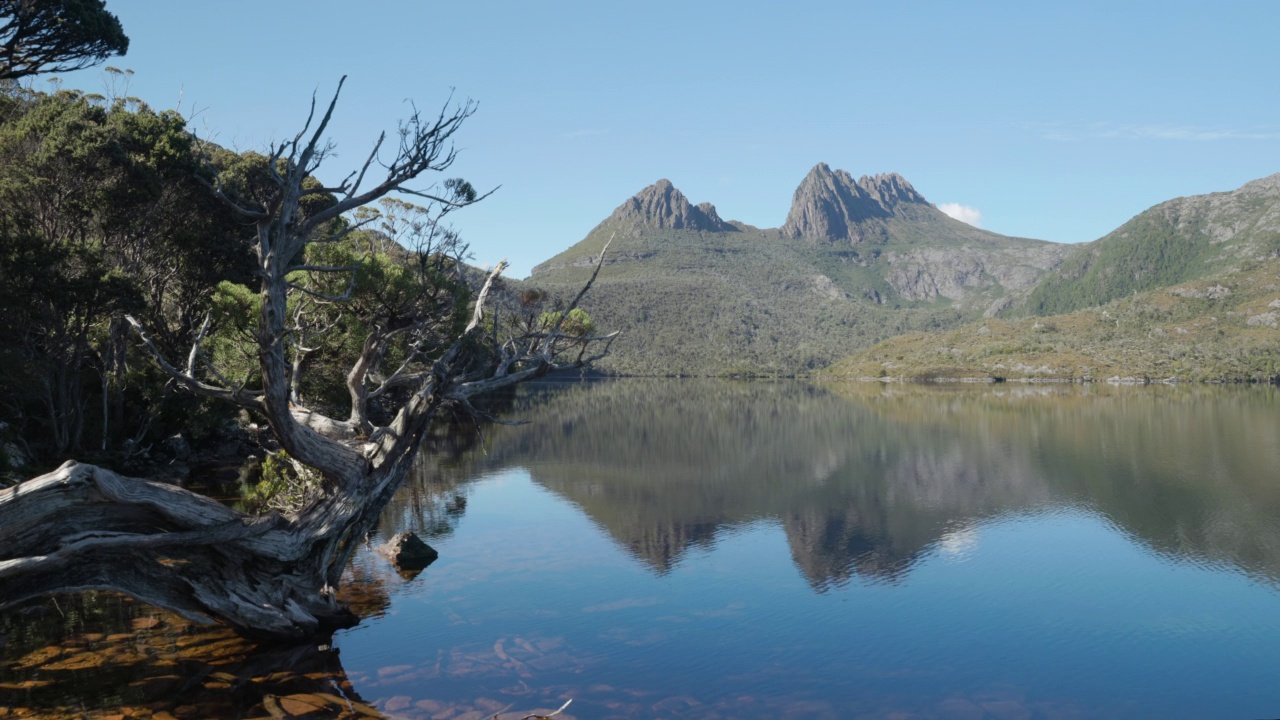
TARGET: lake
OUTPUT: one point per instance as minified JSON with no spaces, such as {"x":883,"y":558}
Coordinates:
{"x":709,"y":549}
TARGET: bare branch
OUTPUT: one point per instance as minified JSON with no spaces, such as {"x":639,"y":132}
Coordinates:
{"x":195,"y":345}
{"x":238,"y":396}
{"x":321,"y":296}
{"x":422,"y":148}
{"x":219,"y":191}
{"x":345,"y":231}
{"x":373,"y":155}
{"x":452,"y":204}
{"x":555,"y":330}
{"x":304,"y":162}
{"x":535,"y":716}
{"x":594,"y":274}
{"x":478,"y":314}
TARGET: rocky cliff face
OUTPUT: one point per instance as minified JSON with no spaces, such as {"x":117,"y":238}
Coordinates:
{"x":957,"y":273}
{"x":662,"y":207}
{"x":831,"y":205}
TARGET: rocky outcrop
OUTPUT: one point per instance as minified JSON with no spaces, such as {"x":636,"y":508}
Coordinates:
{"x":1247,"y":219}
{"x":408,"y":553}
{"x":662,"y":207}
{"x":709,"y":212}
{"x":831,"y":205}
{"x":889,"y":191}
{"x":927,"y":273}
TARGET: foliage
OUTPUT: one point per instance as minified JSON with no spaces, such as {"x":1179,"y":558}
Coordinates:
{"x":285,"y":485}
{"x":1221,"y":328}
{"x":1173,"y":242}
{"x":743,"y":303}
{"x":1142,"y":255}
{"x":101,"y":214}
{"x":106,"y":210}
{"x":41,"y":36}
{"x":415,"y":295}
{"x":577,"y":324}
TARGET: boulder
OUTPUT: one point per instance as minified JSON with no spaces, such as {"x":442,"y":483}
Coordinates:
{"x":178,"y":447}
{"x":408,"y":552}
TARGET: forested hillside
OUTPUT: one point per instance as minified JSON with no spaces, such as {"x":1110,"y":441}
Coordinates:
{"x":1173,"y":242}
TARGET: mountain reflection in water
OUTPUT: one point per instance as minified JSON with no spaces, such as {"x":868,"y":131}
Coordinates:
{"x":703,"y":549}
{"x":867,"y":479}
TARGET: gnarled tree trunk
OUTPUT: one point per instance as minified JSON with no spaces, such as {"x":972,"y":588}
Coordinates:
{"x":84,"y":527}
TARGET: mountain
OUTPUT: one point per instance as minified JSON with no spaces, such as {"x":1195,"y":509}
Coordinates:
{"x":1219,"y":329}
{"x":662,"y":207}
{"x":832,"y":206}
{"x":1188,"y":290}
{"x":1174,"y":242}
{"x":855,"y":262}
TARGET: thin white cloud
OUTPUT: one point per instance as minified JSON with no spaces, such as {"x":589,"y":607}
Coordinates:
{"x":1067,"y":132}
{"x":963,"y":213}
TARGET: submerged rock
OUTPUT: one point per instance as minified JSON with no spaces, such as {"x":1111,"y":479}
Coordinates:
{"x":408,"y":552}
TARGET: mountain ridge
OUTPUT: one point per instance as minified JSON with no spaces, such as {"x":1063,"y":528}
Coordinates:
{"x":1172,"y":242}
{"x":833,"y":206}
{"x":661,"y":206}
{"x":769,"y":300}
{"x":1187,"y":290}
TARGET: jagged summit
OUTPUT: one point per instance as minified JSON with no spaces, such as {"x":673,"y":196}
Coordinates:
{"x":830,"y":204}
{"x":709,"y":210}
{"x":662,"y":207}
{"x":889,"y":190}
{"x":753,"y":300}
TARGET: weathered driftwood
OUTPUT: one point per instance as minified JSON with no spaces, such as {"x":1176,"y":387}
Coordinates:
{"x":83,"y":527}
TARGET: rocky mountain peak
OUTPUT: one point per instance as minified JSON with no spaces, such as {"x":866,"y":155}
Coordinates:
{"x":831,"y":205}
{"x":662,"y":207}
{"x":890,"y":189}
{"x":709,"y":211}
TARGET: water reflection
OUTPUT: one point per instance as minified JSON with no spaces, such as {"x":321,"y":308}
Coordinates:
{"x":100,"y":654}
{"x":868,"y":479}
{"x":105,"y":655}
{"x":786,"y":550}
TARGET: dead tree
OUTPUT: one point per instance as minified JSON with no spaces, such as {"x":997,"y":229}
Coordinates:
{"x":84,"y":527}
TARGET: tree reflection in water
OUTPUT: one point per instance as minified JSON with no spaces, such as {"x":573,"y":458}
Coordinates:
{"x":865,"y":483}
{"x":867,"y":479}
{"x":90,"y":653}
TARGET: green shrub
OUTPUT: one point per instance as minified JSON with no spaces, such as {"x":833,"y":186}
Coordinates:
{"x":286,"y":485}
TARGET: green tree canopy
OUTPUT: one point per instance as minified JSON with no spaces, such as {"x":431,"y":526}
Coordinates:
{"x":56,"y":36}
{"x":102,"y":213}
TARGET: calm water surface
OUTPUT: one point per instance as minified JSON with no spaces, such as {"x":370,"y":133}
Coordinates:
{"x":715,"y":549}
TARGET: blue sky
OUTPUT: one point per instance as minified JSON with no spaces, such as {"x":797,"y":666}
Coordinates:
{"x":1053,"y":120}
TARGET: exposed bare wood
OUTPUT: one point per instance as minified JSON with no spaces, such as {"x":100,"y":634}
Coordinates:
{"x":85,"y":527}
{"x":239,"y":396}
{"x":478,"y":314}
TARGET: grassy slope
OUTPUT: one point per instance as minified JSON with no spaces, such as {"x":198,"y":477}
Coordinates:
{"x":730,"y":303}
{"x":752,"y":302}
{"x":1192,"y":331}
